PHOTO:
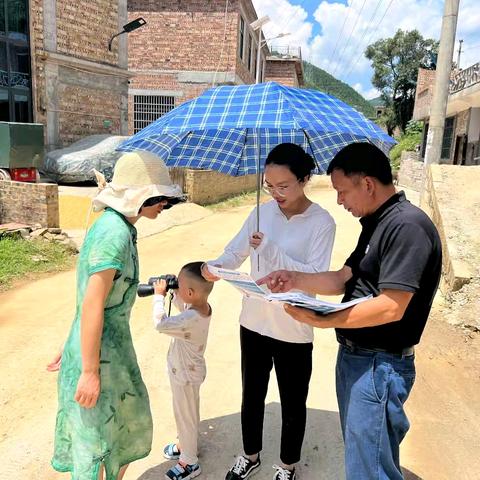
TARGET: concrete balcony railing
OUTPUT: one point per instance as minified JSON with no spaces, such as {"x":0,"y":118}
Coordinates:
{"x":285,"y":52}
{"x":464,"y":79}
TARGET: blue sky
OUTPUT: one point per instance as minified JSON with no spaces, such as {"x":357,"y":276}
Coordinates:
{"x":334,"y":33}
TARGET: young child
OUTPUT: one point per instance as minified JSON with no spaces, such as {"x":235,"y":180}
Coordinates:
{"x":186,"y":362}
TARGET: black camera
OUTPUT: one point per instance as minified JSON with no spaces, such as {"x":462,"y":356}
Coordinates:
{"x":146,"y":289}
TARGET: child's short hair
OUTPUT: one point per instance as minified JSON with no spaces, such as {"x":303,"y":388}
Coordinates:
{"x":194,"y":271}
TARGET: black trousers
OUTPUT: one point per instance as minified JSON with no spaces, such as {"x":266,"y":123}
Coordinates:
{"x":293,"y":367}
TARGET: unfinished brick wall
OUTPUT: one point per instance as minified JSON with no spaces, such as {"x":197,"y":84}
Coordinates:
{"x":37,"y":51}
{"x":99,"y":106}
{"x":79,"y":87}
{"x":85,"y":27}
{"x":29,"y":203}
{"x":187,"y":36}
{"x":205,"y":186}
{"x":281,"y":71}
{"x":424,"y":93}
{"x":183,"y":44}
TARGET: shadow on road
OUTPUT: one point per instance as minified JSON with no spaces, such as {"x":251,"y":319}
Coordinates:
{"x":322,"y":447}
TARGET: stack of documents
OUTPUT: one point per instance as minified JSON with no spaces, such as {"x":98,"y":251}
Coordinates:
{"x":247,"y":285}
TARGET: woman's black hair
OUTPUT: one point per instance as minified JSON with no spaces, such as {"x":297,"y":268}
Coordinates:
{"x":298,"y":161}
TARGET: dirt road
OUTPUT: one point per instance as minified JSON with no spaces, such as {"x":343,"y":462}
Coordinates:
{"x":443,"y":443}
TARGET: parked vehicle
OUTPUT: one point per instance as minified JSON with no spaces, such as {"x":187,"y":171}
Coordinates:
{"x":21,"y":151}
{"x":76,"y":163}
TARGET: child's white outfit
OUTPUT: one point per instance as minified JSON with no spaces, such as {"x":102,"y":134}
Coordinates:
{"x":186,"y":368}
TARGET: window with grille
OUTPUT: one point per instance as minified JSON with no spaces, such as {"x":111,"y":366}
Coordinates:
{"x":147,"y":108}
{"x":447,"y":137}
{"x":242,"y":37}
{"x":249,"y":53}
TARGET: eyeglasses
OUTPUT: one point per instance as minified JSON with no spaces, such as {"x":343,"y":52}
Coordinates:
{"x":281,"y":191}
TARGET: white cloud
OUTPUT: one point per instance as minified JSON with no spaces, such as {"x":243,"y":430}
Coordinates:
{"x":286,"y":18}
{"x":363,"y":27}
{"x":368,"y":94}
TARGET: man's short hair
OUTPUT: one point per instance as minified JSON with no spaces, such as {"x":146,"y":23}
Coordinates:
{"x":364,"y":159}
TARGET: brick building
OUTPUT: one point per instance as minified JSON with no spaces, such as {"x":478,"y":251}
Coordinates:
{"x":461,"y":138}
{"x":189,"y":46}
{"x":185,"y":48}
{"x":57,"y":70}
{"x":284,"y":65}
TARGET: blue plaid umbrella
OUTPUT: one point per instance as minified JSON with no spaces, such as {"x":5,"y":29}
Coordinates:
{"x":227,"y":127}
{"x":232,"y":129}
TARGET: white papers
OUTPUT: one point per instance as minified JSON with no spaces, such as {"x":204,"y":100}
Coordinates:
{"x":247,"y":285}
{"x":243,"y":281}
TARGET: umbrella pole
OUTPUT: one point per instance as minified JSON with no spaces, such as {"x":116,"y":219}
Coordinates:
{"x":258,"y":190}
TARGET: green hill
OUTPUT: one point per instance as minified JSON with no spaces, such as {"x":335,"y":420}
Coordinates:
{"x":319,"y":79}
{"x":377,"y":102}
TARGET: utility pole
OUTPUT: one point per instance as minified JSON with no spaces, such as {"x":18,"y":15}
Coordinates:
{"x":442,"y":78}
{"x":460,"y":42}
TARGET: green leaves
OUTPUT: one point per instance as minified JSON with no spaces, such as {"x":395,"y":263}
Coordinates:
{"x":395,"y":62}
{"x":319,"y":79}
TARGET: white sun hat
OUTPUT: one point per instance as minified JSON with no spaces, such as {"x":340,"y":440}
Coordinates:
{"x":137,"y":177}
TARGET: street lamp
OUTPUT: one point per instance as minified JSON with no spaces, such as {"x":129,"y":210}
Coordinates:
{"x":257,"y":25}
{"x":260,"y":46}
{"x":129,"y":27}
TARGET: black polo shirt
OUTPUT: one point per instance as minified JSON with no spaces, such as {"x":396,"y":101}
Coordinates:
{"x":399,"y":248}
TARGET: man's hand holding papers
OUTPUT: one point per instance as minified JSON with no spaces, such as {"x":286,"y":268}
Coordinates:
{"x":245,"y":283}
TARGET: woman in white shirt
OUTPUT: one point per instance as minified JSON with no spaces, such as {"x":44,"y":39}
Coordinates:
{"x":294,"y":234}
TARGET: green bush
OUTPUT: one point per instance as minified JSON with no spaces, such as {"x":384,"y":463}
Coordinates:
{"x":407,"y":142}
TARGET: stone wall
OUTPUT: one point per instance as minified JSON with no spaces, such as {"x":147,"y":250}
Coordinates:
{"x":429,"y":204}
{"x":206,"y":186}
{"x":449,"y":198}
{"x":29,"y":203}
{"x":411,"y":173}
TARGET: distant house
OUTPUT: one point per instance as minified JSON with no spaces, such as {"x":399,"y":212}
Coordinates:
{"x":461,"y":138}
{"x":379,"y":105}
{"x":187,"y":47}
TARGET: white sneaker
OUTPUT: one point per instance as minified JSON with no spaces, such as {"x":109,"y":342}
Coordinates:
{"x":284,"y":474}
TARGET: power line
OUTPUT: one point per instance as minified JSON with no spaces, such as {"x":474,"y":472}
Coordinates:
{"x":369,"y":39}
{"x":341,"y":31}
{"x":470,"y":48}
{"x":350,"y":36}
{"x":365,"y":32}
{"x":291,"y":17}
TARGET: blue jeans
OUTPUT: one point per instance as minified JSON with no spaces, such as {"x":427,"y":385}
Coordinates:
{"x":371,"y":390}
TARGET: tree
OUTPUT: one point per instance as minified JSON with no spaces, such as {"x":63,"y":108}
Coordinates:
{"x":395,"y":62}
{"x":318,"y":79}
{"x":388,"y":118}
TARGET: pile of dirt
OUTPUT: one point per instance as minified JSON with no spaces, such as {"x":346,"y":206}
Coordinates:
{"x":463,"y":306}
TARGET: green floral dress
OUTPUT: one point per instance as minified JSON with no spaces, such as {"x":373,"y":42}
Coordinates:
{"x":118,"y":430}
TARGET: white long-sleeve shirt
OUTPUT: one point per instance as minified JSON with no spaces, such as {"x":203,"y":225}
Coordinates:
{"x":302,"y":243}
{"x":189,"y":329}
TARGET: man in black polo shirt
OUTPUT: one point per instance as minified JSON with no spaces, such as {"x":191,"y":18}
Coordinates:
{"x":398,"y":261}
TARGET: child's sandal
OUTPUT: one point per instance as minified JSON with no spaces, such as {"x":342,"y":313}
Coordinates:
{"x":171,"y":452}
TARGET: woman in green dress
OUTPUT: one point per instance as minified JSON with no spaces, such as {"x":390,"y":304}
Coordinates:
{"x":104,"y":420}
